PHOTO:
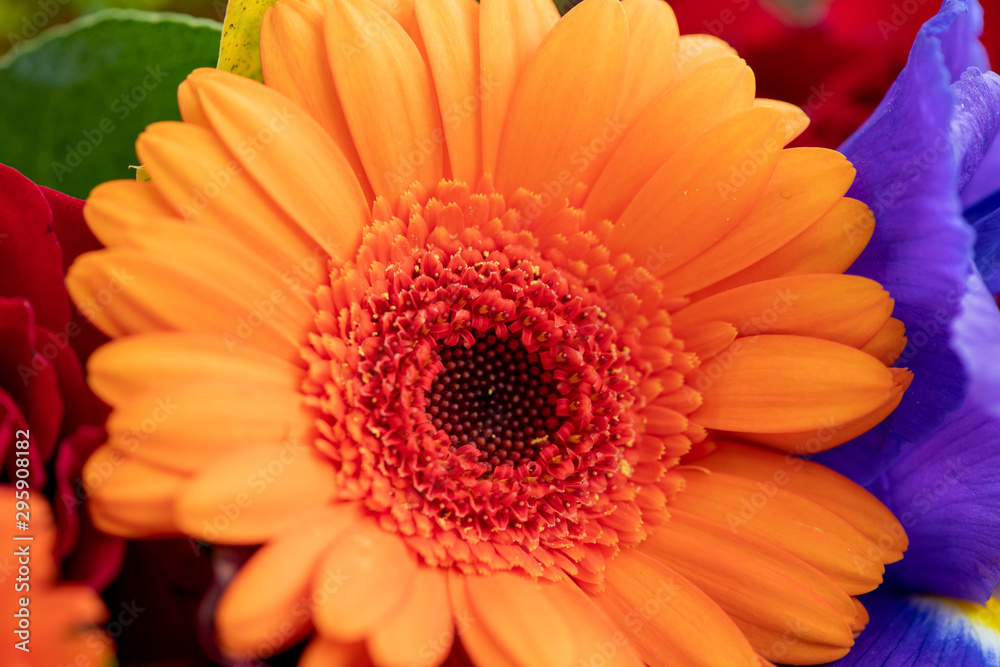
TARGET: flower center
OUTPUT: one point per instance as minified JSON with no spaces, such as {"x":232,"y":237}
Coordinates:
{"x":480,"y":395}
{"x":497,"y":397}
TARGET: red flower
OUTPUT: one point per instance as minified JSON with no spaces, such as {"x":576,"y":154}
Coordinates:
{"x":42,"y":389}
{"x":836,"y":63}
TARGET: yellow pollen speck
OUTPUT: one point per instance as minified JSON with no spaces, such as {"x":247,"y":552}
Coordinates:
{"x":625,"y":467}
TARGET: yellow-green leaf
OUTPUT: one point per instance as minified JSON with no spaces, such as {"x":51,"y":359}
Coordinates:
{"x":240,"y":49}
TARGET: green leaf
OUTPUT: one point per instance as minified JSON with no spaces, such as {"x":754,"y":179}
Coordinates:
{"x":75,"y":99}
{"x":240,"y":52}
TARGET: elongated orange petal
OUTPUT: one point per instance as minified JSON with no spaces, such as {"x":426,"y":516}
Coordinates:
{"x":806,"y":184}
{"x":480,"y":644}
{"x":385,"y":88}
{"x":451,"y":34}
{"x":703,"y":191}
{"x":796,"y":524}
{"x":579,"y":66}
{"x":523,"y":619}
{"x":376,"y":574}
{"x":817,"y":483}
{"x":693,"y":51}
{"x":845,"y":309}
{"x":829,"y":245}
{"x":124,"y":291}
{"x":830,"y":434}
{"x":669,"y":620}
{"x":738,"y":583}
{"x":509,"y":34}
{"x":781,"y":384}
{"x":207,"y":186}
{"x":130,"y":498}
{"x":794,"y":119}
{"x":252,"y":119}
{"x":695,"y":103}
{"x":247,"y":497}
{"x":272,"y":595}
{"x":220,"y":257}
{"x":185,"y":426}
{"x":115,"y":207}
{"x":652,"y":55}
{"x":599,"y":638}
{"x":421,"y":630}
{"x":888,"y":343}
{"x":294,"y":62}
{"x":125,"y":367}
{"x":323,"y":652}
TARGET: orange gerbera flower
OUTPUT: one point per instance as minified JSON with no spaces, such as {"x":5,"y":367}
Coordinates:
{"x":469,"y":315}
{"x":45,"y":623}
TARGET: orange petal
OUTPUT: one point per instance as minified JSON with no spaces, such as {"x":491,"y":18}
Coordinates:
{"x":738,"y":572}
{"x":787,"y":520}
{"x":806,"y":183}
{"x":386,"y":91}
{"x":762,"y":601}
{"x":295,"y":153}
{"x":480,"y":644}
{"x":695,"y":103}
{"x":832,"y":434}
{"x":652,"y":55}
{"x":323,"y":652}
{"x":781,"y":384}
{"x":207,"y":186}
{"x":221,"y":258}
{"x":420,"y":632}
{"x":599,"y":638}
{"x":185,"y":426}
{"x":509,"y":34}
{"x":829,"y":245}
{"x":523,"y":619}
{"x":190,"y":106}
{"x":272,"y":595}
{"x":125,"y":291}
{"x":888,"y":343}
{"x":817,"y":483}
{"x":794,"y":119}
{"x":451,"y":33}
{"x":703,"y":191}
{"x":580,"y":66}
{"x":130,"y":498}
{"x":693,"y":51}
{"x":249,"y":496}
{"x":125,"y":367}
{"x":294,"y":61}
{"x":669,"y":620}
{"x":845,"y":309}
{"x":115,"y":207}
{"x":376,"y":572}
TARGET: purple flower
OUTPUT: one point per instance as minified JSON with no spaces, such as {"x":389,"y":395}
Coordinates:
{"x":929,"y":166}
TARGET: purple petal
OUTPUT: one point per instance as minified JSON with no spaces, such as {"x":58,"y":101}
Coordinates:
{"x":946,"y":493}
{"x":921,"y":248}
{"x":976,"y":338}
{"x":923,"y":632}
{"x":985,"y":219}
{"x":976,"y":120}
{"x":959,"y":24}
